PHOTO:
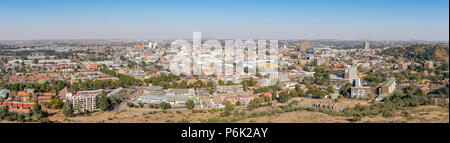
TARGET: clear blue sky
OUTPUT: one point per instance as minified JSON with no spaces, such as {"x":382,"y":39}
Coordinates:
{"x":236,"y":19}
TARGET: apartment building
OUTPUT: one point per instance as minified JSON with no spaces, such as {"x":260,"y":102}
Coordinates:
{"x":85,"y":100}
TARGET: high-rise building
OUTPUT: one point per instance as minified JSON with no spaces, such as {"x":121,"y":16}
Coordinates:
{"x":351,"y":73}
{"x":367,"y":45}
{"x":85,"y":100}
{"x":304,"y":44}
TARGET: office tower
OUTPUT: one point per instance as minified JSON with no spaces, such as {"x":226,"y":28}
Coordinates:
{"x":351,"y":73}
{"x":367,"y":45}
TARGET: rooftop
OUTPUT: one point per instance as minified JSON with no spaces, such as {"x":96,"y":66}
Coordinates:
{"x":389,"y":82}
{"x":381,"y":97}
{"x":153,"y":88}
{"x":4,"y":91}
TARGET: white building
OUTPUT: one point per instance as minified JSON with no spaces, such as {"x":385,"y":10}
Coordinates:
{"x":351,"y":73}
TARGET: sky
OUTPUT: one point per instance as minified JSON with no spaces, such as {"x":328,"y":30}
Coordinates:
{"x":225,"y":19}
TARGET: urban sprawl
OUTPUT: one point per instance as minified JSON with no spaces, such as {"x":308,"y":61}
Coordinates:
{"x":66,"y":80}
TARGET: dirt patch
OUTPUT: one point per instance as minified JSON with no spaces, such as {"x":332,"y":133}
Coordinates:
{"x":133,"y":117}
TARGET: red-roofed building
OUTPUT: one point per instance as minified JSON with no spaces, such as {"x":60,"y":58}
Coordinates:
{"x":18,"y":105}
{"x":22,"y":93}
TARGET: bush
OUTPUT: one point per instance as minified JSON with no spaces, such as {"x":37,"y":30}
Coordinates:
{"x":190,"y":104}
{"x":129,"y":104}
{"x":356,"y":118}
{"x":225,"y":113}
{"x":388,"y":114}
{"x":229,"y":106}
{"x":212,"y":111}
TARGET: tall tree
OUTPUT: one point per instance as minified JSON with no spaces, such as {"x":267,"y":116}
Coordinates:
{"x":67,"y":109}
{"x":103,"y":102}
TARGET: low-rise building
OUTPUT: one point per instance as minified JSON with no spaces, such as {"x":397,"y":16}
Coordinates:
{"x":388,"y":87}
{"x":358,"y":91}
{"x":381,"y":97}
{"x":4,"y":93}
{"x":243,"y":97}
{"x":174,"y":100}
{"x":428,"y":65}
{"x":334,"y":96}
{"x":65,"y":93}
{"x":230,"y":89}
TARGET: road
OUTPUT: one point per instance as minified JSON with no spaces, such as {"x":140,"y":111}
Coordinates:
{"x":132,"y":95}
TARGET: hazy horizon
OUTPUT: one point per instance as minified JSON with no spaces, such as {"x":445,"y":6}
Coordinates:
{"x":370,"y":20}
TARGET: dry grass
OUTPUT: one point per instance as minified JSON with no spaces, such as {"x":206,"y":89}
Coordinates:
{"x":424,"y":114}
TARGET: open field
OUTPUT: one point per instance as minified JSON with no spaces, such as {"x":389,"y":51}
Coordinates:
{"x":133,"y":117}
{"x":423,"y":114}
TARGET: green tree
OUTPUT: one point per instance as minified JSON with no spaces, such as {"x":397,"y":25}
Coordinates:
{"x":230,"y":82}
{"x":346,"y":90}
{"x":330,"y":89}
{"x":317,"y":93}
{"x":229,"y":106}
{"x":103,"y":102}
{"x":164,"y":106}
{"x":190,"y":104}
{"x":3,"y":112}
{"x":298,"y":89}
{"x":221,"y":82}
{"x":284,"y":97}
{"x":37,"y":109}
{"x":38,"y":113}
{"x":238,"y":103}
{"x":67,"y":109}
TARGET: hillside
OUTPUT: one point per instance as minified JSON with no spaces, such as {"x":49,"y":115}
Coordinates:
{"x":420,"y":53}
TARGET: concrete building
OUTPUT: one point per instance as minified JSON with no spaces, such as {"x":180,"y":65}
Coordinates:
{"x":65,"y":93}
{"x":351,"y":73}
{"x":4,"y":93}
{"x":358,"y":91}
{"x":175,"y":101}
{"x":403,"y":65}
{"x":85,"y":100}
{"x":320,"y":61}
{"x":151,"y":99}
{"x":428,"y":65}
{"x":388,"y":87}
{"x":181,"y":92}
{"x":230,"y":89}
{"x":367,"y":45}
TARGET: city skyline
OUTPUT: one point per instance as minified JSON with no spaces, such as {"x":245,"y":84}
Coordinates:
{"x":344,"y":20}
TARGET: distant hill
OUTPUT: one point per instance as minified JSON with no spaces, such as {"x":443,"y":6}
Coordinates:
{"x":420,"y":53}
